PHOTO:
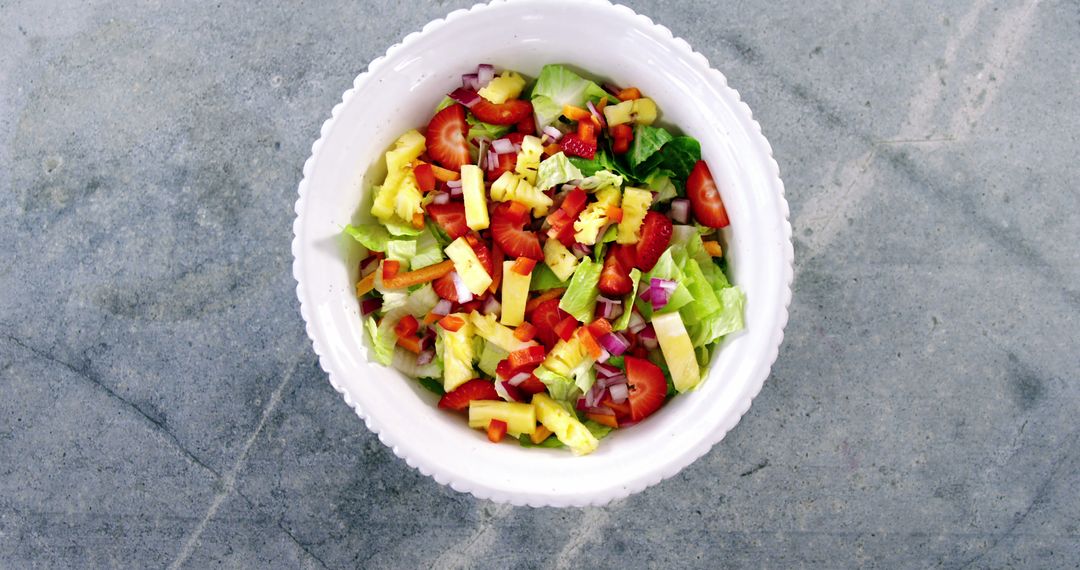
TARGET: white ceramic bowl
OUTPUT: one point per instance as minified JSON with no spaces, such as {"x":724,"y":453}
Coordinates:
{"x":397,"y":93}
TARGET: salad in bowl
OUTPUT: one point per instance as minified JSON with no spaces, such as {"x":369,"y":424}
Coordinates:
{"x":545,"y":256}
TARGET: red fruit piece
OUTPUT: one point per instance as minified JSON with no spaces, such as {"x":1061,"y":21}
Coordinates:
{"x":615,"y":277}
{"x":562,"y":220}
{"x":450,"y":217}
{"x":508,"y":113}
{"x":445,"y":288}
{"x":647,"y":385}
{"x":705,"y":198}
{"x":574,"y":145}
{"x":482,"y":252}
{"x":526,"y":126}
{"x":655,"y":239}
{"x":507,"y":163}
{"x":496,"y":431}
{"x":507,"y":229}
{"x":532,"y":385}
{"x":526,"y":357}
{"x":446,"y":141}
{"x":545,"y":318}
{"x":476,"y":389}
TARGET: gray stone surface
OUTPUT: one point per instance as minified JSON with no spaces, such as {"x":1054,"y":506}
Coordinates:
{"x":160,"y":404}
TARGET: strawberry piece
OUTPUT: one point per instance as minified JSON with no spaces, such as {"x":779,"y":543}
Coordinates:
{"x":526,"y":126}
{"x":497,"y":259}
{"x":562,"y":220}
{"x":545,"y":318}
{"x":517,"y":137}
{"x":482,"y":252}
{"x":647,"y":385}
{"x":450,"y":217}
{"x":705,"y":198}
{"x":655,"y":239}
{"x":622,"y":411}
{"x":508,"y":231}
{"x":507,"y":163}
{"x":446,"y":142}
{"x":445,"y":288}
{"x":574,"y":145}
{"x":508,"y":113}
{"x":615,"y":276}
{"x":496,"y":431}
{"x":525,"y":357}
{"x":566,"y":327}
{"x":476,"y":389}
{"x":425,"y":177}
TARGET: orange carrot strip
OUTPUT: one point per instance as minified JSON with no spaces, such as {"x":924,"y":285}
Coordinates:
{"x":713,"y":248}
{"x":629,"y":94}
{"x":410,"y":343}
{"x":540,"y":434}
{"x":603,"y":419}
{"x":366,"y":285}
{"x":423,"y":275}
{"x":575,"y":113}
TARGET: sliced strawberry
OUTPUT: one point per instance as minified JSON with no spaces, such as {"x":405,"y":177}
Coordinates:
{"x":615,"y":277}
{"x":526,"y":126}
{"x":566,"y":327}
{"x":574,"y":145}
{"x":655,"y":239}
{"x":705,"y":198}
{"x":476,"y":389}
{"x":622,"y":410}
{"x":507,"y":229}
{"x":517,"y":137}
{"x":507,"y":163}
{"x":445,"y":288}
{"x":482,"y":252}
{"x":545,"y":318}
{"x":508,"y":113}
{"x":446,"y":141}
{"x":648,"y":388}
{"x":450,"y":217}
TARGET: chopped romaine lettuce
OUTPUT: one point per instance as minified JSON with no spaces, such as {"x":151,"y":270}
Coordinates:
{"x":543,"y":278}
{"x":580,"y":297}
{"x":405,"y":361}
{"x":558,"y":86}
{"x":601,"y":179}
{"x":371,"y":236}
{"x":383,"y":338}
{"x":397,"y":228}
{"x":401,"y":250}
{"x":490,"y":357}
{"x":679,"y":155}
{"x":556,"y":169}
{"x":705,"y":301}
{"x":727,"y":320}
{"x":665,"y":268}
{"x":628,"y":303}
{"x":428,"y":250}
{"x":647,"y":141}
{"x":599,"y":430}
{"x":433,"y":385}
{"x":560,"y":387}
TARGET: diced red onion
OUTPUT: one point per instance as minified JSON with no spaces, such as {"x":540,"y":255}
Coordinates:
{"x":604,"y":355}
{"x":599,"y":116}
{"x":485,"y":72}
{"x":517,"y":148}
{"x":425,"y":357}
{"x":660,"y":299}
{"x":470,"y":81}
{"x":491,"y":306}
{"x":637,"y":322}
{"x":594,"y":395}
{"x":680,"y":210}
{"x":614,"y":343}
{"x":619,"y":393}
{"x":518,"y":378}
{"x":463,"y":293}
{"x":456,"y":191}
{"x":442,"y":308}
{"x":665,"y":284}
{"x":507,"y":392}
{"x":609,"y":382}
{"x":503,"y":146}
{"x":552,"y":132}
{"x":492,"y":160}
{"x":581,"y":250}
{"x":612,"y":88}
{"x":427,"y":338}
{"x":466,"y":97}
{"x":368,"y":306}
{"x":647,"y":337}
{"x":368,"y":265}
{"x":607,"y":370}
{"x":609,"y":309}
{"x":440,"y":198}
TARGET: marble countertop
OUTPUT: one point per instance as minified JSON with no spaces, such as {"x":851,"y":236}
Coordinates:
{"x":160,"y":404}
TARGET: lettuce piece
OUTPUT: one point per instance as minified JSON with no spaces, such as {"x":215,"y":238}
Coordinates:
{"x":584,"y":375}
{"x":398,"y":228}
{"x":580,"y":297}
{"x":647,"y":141}
{"x":556,"y":169}
{"x":551,"y":442}
{"x":432,"y":385}
{"x":666,"y":268}
{"x":628,"y":303}
{"x":659,"y":181}
{"x":479,"y":129}
{"x":446,"y":102}
{"x":600,"y":249}
{"x":401,"y":250}
{"x":601,"y":179}
{"x":371,"y":236}
{"x":383,"y":338}
{"x":705,"y":301}
{"x":490,"y":356}
{"x":727,"y":320}
{"x":679,"y":155}
{"x":405,"y":361}
{"x":599,"y":430}
{"x":428,"y":250}
{"x":558,"y":86}
{"x":560,"y":387}
{"x":543,"y":278}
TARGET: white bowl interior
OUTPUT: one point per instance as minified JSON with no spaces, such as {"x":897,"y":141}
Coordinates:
{"x":398,"y":94}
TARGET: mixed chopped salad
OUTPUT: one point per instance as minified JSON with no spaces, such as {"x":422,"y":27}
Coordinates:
{"x":546,"y":258}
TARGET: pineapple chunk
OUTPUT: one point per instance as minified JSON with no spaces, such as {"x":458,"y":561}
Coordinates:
{"x":503,"y":337}
{"x":561,"y":261}
{"x":511,"y":186}
{"x":565,"y":356}
{"x":519,"y":418}
{"x":635,"y":205}
{"x":564,"y":425}
{"x":644,"y":111}
{"x":398,"y":159}
{"x":506,"y":86}
{"x":678,"y":350}
{"x":619,"y":114}
{"x":472,"y":188}
{"x":468,"y":266}
{"x":407,"y":203}
{"x":587,"y":226}
{"x":457,"y":355}
{"x":515,"y":292}
{"x":528,"y":160}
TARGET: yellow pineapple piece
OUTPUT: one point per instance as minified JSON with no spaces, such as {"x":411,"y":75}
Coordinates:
{"x":635,"y":204}
{"x":506,"y":86}
{"x":519,"y":418}
{"x":561,"y":261}
{"x":564,"y":425}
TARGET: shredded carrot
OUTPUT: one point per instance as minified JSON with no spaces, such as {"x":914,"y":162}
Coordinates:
{"x":600,"y":327}
{"x":551,"y":149}
{"x":575,"y":113}
{"x":589,"y":342}
{"x":418,"y":220}
{"x":497,"y":258}
{"x":545,"y":296}
{"x":629,"y":94}
{"x":452,"y":323}
{"x":614,"y":213}
{"x":540,"y":434}
{"x":603,"y":419}
{"x":587,"y":130}
{"x":601,"y":104}
{"x":444,"y":175}
{"x":713,"y":248}
{"x":423,"y":275}
{"x":431,"y":318}
{"x":365,"y":285}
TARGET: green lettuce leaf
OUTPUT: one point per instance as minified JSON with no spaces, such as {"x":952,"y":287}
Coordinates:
{"x":647,"y":141}
{"x":600,"y":249}
{"x":401,"y":250}
{"x":490,"y":357}
{"x":659,"y":181}
{"x":405,"y":361}
{"x":666,"y":268}
{"x":558,"y":86}
{"x":383,"y":339}
{"x":543,"y":278}
{"x":551,"y":442}
{"x":372,"y":236}
{"x":428,"y":250}
{"x":628,"y":303}
{"x":705,"y":301}
{"x":580,"y":297}
{"x":397,"y":228}
{"x":558,"y":386}
{"x":599,"y":430}
{"x":554,"y":170}
{"x":433,"y":385}
{"x":601,"y":179}
{"x":679,"y":155}
{"x":479,"y":129}
{"x":727,"y":320}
